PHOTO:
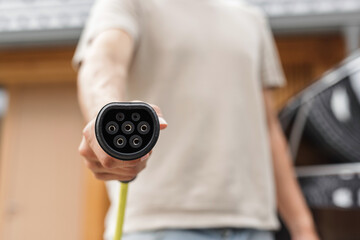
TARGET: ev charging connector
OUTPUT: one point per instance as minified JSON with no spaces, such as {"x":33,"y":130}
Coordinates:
{"x":126,"y":131}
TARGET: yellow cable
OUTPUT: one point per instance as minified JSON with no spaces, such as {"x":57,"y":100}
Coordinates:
{"x":121,"y":211}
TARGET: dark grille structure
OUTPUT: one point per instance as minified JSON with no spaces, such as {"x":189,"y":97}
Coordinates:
{"x":322,"y":124}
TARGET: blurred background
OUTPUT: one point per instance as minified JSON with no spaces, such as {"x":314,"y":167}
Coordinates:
{"x":46,"y":193}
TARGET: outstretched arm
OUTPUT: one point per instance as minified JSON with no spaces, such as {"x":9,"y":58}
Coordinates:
{"x":291,"y":203}
{"x":103,"y":71}
{"x":102,"y":79}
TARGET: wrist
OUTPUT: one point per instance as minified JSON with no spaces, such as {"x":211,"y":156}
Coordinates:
{"x":300,"y":225}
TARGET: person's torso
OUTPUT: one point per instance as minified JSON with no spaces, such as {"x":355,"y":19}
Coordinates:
{"x":198,"y":60}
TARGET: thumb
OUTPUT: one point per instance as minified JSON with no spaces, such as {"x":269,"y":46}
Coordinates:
{"x":163,"y":123}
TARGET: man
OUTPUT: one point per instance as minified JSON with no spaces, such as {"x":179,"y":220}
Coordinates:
{"x":219,"y":168}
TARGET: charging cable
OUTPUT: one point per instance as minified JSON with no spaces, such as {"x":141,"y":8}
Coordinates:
{"x":121,"y":211}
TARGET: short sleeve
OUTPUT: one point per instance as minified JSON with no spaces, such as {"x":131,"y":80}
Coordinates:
{"x":105,"y":15}
{"x":271,"y":72}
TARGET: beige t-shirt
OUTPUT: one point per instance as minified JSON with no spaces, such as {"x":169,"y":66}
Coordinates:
{"x":205,"y":63}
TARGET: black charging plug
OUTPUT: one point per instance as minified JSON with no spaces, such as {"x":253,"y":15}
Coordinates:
{"x":127,"y":130}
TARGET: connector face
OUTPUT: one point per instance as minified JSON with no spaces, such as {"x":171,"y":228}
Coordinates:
{"x":127,"y":130}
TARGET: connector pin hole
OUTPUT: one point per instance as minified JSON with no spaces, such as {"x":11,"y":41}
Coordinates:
{"x":119,"y":141}
{"x":136,"y":141}
{"x":120,"y":116}
{"x":112,"y":127}
{"x":135,"y":117}
{"x":127,"y":127}
{"x":143,"y":127}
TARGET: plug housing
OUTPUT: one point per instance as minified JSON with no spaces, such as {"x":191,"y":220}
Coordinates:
{"x":127,"y":130}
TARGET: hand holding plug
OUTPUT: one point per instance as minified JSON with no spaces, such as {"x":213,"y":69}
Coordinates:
{"x":117,"y":145}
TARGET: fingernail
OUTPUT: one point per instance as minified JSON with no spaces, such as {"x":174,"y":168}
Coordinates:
{"x":162,"y":121}
{"x":143,"y":158}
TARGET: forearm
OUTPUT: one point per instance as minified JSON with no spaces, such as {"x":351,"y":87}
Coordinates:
{"x":291,"y":203}
{"x":103,"y":74}
{"x":99,"y":83}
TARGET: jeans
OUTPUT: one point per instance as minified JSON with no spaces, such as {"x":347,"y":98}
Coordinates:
{"x":202,"y":234}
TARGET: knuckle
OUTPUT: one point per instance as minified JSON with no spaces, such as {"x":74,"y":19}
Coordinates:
{"x":86,"y":133}
{"x":135,"y":162}
{"x":91,"y":165}
{"x":129,"y":164}
{"x":128,"y":171}
{"x":143,"y":162}
{"x":82,"y":150}
{"x":107,"y":162}
{"x":88,"y":130}
{"x":142,"y":167}
{"x":132,"y":171}
{"x":144,"y":158}
{"x":100,"y":176}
